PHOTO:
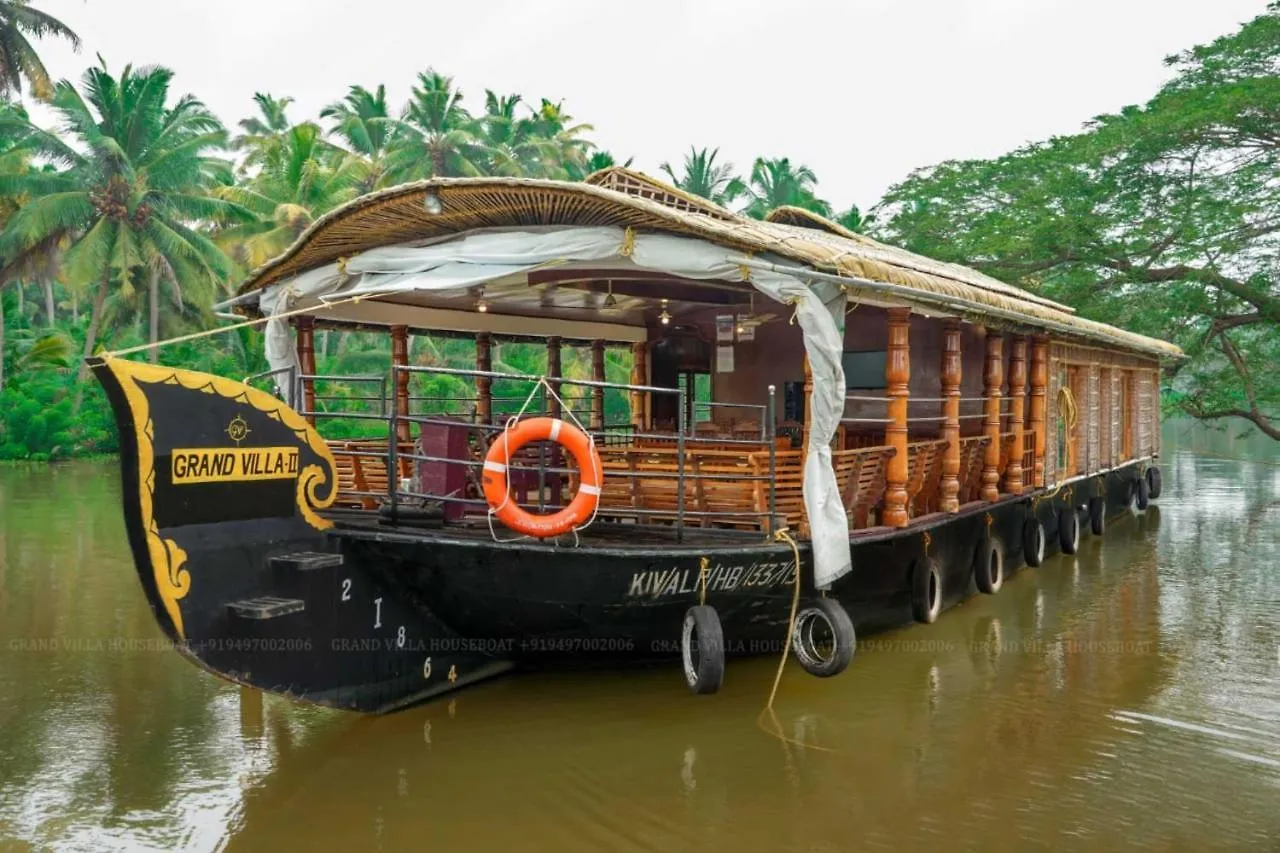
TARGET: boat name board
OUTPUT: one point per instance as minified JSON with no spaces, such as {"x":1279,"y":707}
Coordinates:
{"x":660,"y":583}
{"x":233,"y":465}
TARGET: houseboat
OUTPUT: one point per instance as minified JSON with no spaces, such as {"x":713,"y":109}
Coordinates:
{"x":808,"y":434}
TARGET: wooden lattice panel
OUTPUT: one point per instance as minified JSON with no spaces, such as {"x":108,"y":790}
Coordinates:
{"x":1052,"y":462}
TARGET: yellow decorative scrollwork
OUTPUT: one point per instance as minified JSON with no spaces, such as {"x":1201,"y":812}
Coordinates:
{"x":168,"y":560}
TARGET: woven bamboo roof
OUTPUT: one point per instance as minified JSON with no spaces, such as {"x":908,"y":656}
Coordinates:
{"x":628,"y":199}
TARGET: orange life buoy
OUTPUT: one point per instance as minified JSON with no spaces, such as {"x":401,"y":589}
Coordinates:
{"x":580,"y":447}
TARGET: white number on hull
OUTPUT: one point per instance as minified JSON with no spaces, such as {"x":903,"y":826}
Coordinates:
{"x":377,"y":612}
{"x":346,"y":589}
{"x":400,"y":638}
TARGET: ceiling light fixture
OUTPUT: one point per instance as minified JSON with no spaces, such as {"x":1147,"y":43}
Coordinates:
{"x":664,"y":317}
{"x":431,"y":202}
{"x":481,"y":305}
{"x":610,"y":301}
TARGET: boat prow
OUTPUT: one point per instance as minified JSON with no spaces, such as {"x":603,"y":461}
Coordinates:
{"x":223,"y":486}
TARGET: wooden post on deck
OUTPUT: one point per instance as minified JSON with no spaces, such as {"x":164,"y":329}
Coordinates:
{"x":307,"y":364}
{"x":898,"y":375}
{"x":1014,"y":475}
{"x":484,"y":384}
{"x":554,"y":372}
{"x":994,"y":377}
{"x":639,"y":376}
{"x":951,"y":362}
{"x":1039,"y":382}
{"x":400,"y":358}
{"x":597,"y":394}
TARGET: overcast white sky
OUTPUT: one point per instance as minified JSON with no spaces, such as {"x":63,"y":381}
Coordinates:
{"x":861,"y":91}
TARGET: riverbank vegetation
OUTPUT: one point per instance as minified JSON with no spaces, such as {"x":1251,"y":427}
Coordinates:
{"x":125,"y":221}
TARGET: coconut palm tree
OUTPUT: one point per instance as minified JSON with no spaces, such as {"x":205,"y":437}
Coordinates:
{"x":18,"y":59}
{"x":435,"y":136}
{"x":295,"y":187}
{"x":776,"y":182}
{"x":703,"y":177}
{"x":262,"y":133}
{"x":362,"y":121}
{"x":563,"y":149}
{"x":855,"y":220}
{"x":511,"y":143}
{"x":596,"y":161}
{"x":127,"y":193}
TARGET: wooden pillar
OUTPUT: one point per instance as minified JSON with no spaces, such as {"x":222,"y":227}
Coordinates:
{"x":639,"y":376}
{"x":898,"y":375}
{"x":484,"y":385}
{"x":554,"y":368}
{"x":1014,"y":475}
{"x":1039,"y":382}
{"x":951,"y":362}
{"x":597,"y":394}
{"x":993,"y":376}
{"x":400,"y":358}
{"x":307,"y":364}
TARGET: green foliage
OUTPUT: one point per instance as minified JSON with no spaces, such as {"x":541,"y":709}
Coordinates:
{"x":1163,"y":218}
{"x":18,"y":59}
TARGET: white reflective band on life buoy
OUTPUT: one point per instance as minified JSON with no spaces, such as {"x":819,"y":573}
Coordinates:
{"x":591,"y":490}
{"x":495,"y":467}
{"x":556,"y":423}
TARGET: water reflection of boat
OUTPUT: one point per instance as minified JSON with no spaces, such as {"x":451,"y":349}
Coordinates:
{"x":560,"y":761}
{"x":923,"y":448}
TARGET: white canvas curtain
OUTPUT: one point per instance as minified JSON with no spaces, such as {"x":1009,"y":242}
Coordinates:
{"x":481,"y":257}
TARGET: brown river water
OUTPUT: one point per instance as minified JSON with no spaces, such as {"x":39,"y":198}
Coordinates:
{"x":1127,"y":697}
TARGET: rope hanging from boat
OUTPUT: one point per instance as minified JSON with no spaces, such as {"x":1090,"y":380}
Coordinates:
{"x":1067,"y":401}
{"x":205,"y":333}
{"x":784,"y":535}
{"x":510,"y":425}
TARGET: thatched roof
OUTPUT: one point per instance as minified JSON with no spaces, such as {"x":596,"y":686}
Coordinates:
{"x":623,"y":198}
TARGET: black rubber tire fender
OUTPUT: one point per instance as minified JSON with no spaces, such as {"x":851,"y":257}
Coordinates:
{"x":1068,"y":530}
{"x":831,"y":614}
{"x":926,"y":590}
{"x":1144,"y":493}
{"x":1155,"y":482}
{"x":988,"y":566}
{"x":702,"y":649}
{"x":1033,"y":542}
{"x":1098,"y":515}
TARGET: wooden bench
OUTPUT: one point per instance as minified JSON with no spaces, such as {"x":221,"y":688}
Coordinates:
{"x":859,"y":475}
{"x":358,"y":472}
{"x":972,"y":456}
{"x":924,"y":474}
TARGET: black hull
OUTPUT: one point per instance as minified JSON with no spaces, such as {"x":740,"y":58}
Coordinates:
{"x":226,"y":495}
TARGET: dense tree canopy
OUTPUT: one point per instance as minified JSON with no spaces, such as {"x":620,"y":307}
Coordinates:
{"x":1163,"y":218}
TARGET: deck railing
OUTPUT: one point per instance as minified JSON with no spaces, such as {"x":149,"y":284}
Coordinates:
{"x":700,"y":470}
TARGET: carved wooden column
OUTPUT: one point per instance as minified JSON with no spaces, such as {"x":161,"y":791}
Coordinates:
{"x":597,"y":394}
{"x":639,"y":376}
{"x":484,"y":385}
{"x":400,"y":358}
{"x":1039,"y":382}
{"x":993,"y":376}
{"x":1014,"y":475}
{"x":307,"y":364}
{"x":951,"y":362}
{"x":554,"y":372}
{"x":898,"y":375}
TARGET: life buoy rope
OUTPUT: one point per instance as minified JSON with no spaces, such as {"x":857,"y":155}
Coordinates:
{"x":581,"y":511}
